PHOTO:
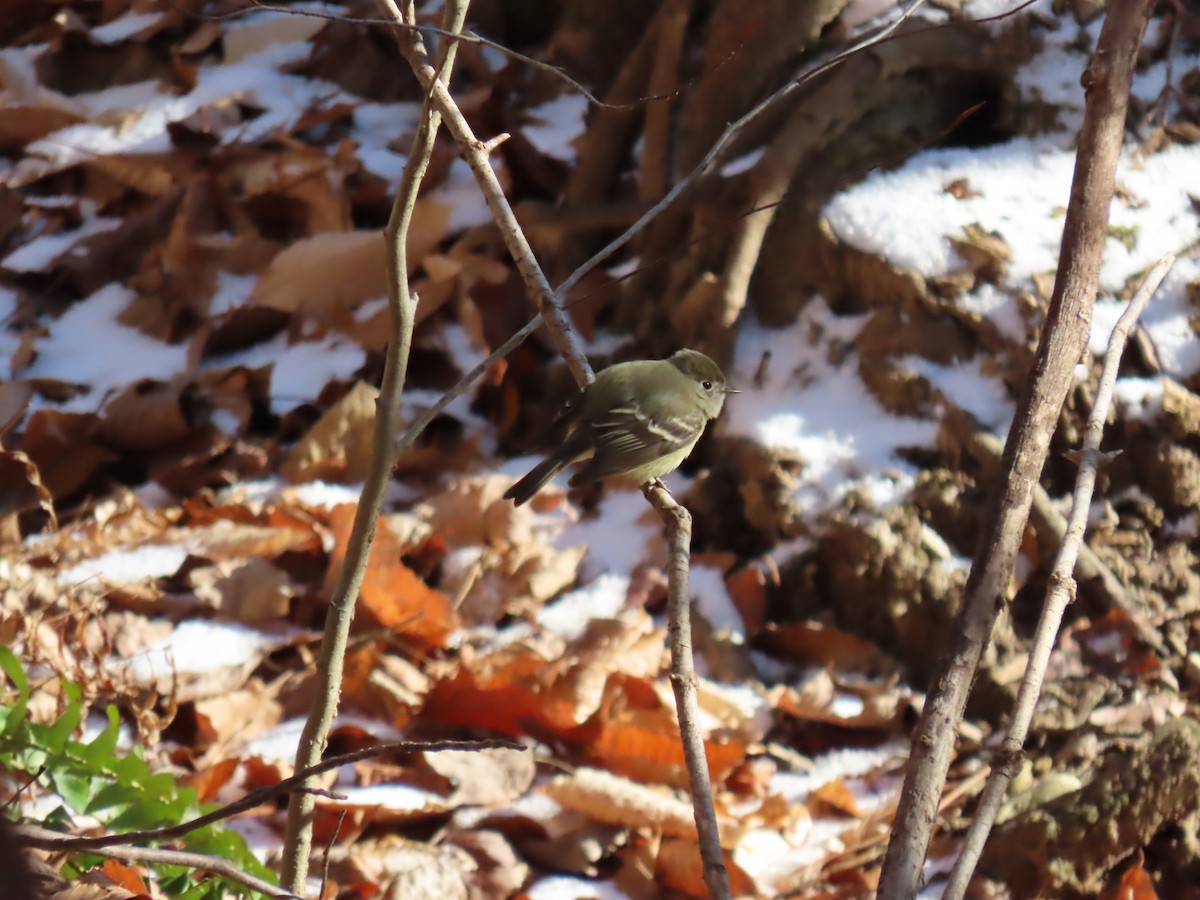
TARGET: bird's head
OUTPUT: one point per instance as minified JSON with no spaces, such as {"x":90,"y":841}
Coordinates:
{"x":709,"y":379}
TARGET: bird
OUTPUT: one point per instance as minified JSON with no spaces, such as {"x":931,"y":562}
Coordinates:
{"x":639,"y":418}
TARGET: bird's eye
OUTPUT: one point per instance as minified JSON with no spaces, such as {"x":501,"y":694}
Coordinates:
{"x":707,"y":385}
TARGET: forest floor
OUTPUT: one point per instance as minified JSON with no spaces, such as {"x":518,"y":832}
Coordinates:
{"x":192,"y":288}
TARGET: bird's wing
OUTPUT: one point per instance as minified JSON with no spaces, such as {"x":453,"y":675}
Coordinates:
{"x":569,"y":409}
{"x":625,"y":441}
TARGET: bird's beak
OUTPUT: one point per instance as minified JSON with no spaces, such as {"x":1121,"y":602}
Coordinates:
{"x":729,"y":390}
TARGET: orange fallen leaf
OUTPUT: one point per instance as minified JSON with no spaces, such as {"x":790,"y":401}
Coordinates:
{"x":124,"y":876}
{"x":393,"y":594}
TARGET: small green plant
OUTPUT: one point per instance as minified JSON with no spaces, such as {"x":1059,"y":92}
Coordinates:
{"x":117,"y":788}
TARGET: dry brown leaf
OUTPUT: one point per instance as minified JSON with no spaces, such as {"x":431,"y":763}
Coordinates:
{"x":326,"y":276}
{"x":1135,"y":883}
{"x":821,"y":700}
{"x":371,"y":331}
{"x":241,"y":715}
{"x":631,"y":647}
{"x":499,"y":871}
{"x":21,"y":125}
{"x":21,"y":488}
{"x":503,"y":691}
{"x":823,"y":645}
{"x":679,"y":868}
{"x":208,"y":782}
{"x":484,"y":777}
{"x":338,"y":447}
{"x":228,"y":539}
{"x":493,"y":582}
{"x":834,"y":796}
{"x":401,"y":869}
{"x":149,"y":414}
{"x":276,"y":183}
{"x":473,"y":511}
{"x":248,"y":590}
{"x":644,"y":744}
{"x":747,"y":587}
{"x":62,"y":446}
{"x":205,"y":35}
{"x":605,"y":797}
{"x":14,"y":400}
{"x":391,"y":592}
{"x":123,"y":876}
{"x":148,"y":173}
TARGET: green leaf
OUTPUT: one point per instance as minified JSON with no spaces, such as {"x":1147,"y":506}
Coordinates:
{"x":76,"y":788}
{"x":12,"y":717}
{"x":101,"y":747}
{"x":111,"y":800}
{"x":60,"y":732}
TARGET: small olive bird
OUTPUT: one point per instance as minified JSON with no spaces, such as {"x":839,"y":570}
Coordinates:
{"x":639,"y":419}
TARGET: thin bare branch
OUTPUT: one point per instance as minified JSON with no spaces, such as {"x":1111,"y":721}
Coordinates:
{"x":217,"y":865}
{"x":1060,"y":592}
{"x":724,"y":142}
{"x":1064,"y":339}
{"x":677,"y":522}
{"x":474,"y":152}
{"x":402,"y":304}
{"x":467,"y":36}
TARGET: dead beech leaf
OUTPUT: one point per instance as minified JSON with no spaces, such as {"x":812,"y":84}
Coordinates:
{"x":255,"y":35}
{"x":484,"y":777}
{"x":631,"y":648}
{"x":149,"y":173}
{"x":678,"y":867}
{"x":21,"y":487}
{"x":986,"y":253}
{"x":644,"y":745}
{"x":506,"y":689}
{"x":823,"y":645}
{"x":401,"y":868}
{"x":14,"y":400}
{"x":229,"y":539}
{"x":62,"y":446}
{"x":208,"y":782}
{"x":249,"y":590}
{"x":1135,"y":883}
{"x":151,"y":414}
{"x":124,"y":876}
{"x":338,"y":446}
{"x":391,"y":592}
{"x":240,"y":716}
{"x":819,"y":700}
{"x":491,"y":582}
{"x":21,"y":125}
{"x":326,"y":276}
{"x":499,"y":872}
{"x":747,"y":587}
{"x":835,"y":797}
{"x":205,"y":35}
{"x":473,"y":511}
{"x":605,"y":797}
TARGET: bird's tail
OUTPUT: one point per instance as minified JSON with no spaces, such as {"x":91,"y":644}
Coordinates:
{"x":533,"y":482}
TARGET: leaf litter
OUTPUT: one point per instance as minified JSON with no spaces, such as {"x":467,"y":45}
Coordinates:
{"x":193,"y":297}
